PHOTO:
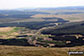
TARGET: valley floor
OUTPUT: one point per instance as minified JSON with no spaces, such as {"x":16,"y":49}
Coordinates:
{"x":37,"y":51}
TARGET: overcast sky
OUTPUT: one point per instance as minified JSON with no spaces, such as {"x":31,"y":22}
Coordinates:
{"x":12,"y":4}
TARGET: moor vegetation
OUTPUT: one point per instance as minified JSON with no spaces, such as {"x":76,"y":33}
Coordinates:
{"x":41,"y":31}
{"x":37,"y":51}
{"x":69,"y":28}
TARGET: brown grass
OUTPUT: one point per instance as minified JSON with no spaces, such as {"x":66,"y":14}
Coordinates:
{"x":7,"y":32}
{"x":5,"y":29}
{"x":70,"y":17}
{"x":36,"y":51}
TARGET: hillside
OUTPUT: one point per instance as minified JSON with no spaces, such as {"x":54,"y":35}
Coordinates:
{"x":37,"y":51}
{"x":21,"y":15}
{"x":75,"y":27}
{"x":70,"y":17}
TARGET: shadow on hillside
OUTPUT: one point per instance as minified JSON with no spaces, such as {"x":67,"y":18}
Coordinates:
{"x":14,"y":42}
{"x":73,"y":41}
{"x":24,"y":42}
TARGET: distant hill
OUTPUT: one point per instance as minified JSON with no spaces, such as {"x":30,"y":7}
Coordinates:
{"x":70,"y":14}
{"x":65,"y":8}
{"x":18,"y":14}
{"x":57,"y":8}
{"x":72,"y":8}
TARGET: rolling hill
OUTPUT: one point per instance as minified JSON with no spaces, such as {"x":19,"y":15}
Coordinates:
{"x":69,"y":28}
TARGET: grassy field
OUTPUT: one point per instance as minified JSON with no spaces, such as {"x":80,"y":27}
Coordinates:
{"x":5,"y":29}
{"x":8,"y":32}
{"x":70,"y":17}
{"x":37,"y":51}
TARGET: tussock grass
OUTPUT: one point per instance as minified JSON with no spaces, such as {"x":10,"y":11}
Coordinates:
{"x":36,"y":51}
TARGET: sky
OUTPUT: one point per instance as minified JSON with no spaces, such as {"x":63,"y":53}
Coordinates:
{"x":12,"y":4}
